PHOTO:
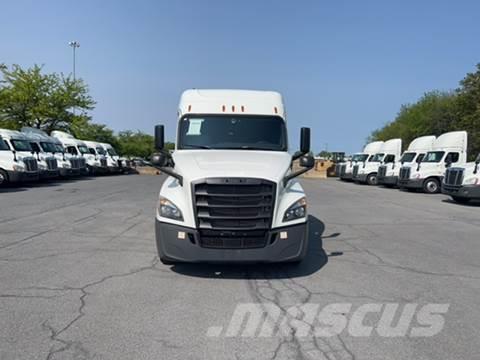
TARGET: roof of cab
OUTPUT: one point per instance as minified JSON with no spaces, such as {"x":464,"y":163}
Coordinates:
{"x":12,"y":134}
{"x":229,"y":101}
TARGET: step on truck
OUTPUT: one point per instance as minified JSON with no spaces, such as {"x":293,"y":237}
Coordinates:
{"x":388,"y":172}
{"x":76,"y":152}
{"x":17,"y":160}
{"x":463,"y":183}
{"x":231,"y":194}
{"x":449,"y":150}
{"x":346,"y":168}
{"x":388,"y":152}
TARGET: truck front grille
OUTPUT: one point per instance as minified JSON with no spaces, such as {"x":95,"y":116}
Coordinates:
{"x":382,"y":171}
{"x":355,"y":170}
{"x":234,"y":212}
{"x":342,"y":169}
{"x":103,"y":163}
{"x":75,"y":163}
{"x":404,"y":173}
{"x":454,"y":177}
{"x":31,"y":164}
{"x":52,"y":163}
{"x":82,"y":163}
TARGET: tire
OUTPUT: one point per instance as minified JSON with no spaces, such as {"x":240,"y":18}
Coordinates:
{"x":3,"y":178}
{"x":461,"y":200}
{"x":372,"y":179}
{"x":431,"y":186}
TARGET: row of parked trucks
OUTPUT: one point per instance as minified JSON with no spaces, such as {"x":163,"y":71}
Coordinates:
{"x":431,"y":164}
{"x":31,"y":154}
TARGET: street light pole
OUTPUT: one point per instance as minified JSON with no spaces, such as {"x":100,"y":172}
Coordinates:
{"x":74,"y":45}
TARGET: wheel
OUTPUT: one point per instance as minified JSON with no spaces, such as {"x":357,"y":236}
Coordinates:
{"x":431,"y":186}
{"x":461,"y":200}
{"x":372,"y":179}
{"x":3,"y":178}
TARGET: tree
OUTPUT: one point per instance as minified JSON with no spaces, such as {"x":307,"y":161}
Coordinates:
{"x":83,"y":128}
{"x":44,"y":101}
{"x":135,"y":144}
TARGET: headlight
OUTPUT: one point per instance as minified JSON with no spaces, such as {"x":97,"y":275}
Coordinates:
{"x":41,"y":166}
{"x":66,"y":165}
{"x":471,"y":181}
{"x":296,"y":211}
{"x":18,"y":168}
{"x":168,"y":209}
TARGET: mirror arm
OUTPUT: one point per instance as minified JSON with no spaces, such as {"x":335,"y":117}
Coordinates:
{"x":171,"y":173}
{"x":290,"y":176}
{"x":297,"y":156}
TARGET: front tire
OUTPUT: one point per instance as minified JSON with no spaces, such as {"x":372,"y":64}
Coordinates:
{"x":372,"y":179}
{"x":431,"y":186}
{"x":3,"y":178}
{"x":461,"y":200}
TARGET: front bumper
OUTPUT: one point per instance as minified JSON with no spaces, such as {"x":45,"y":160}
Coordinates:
{"x":411,"y":183}
{"x":189,"y":249}
{"x":17,"y":177}
{"x":362,"y":178}
{"x":465,"y":191}
{"x":49,"y":174}
{"x":387,"y":180}
{"x":347,"y":176}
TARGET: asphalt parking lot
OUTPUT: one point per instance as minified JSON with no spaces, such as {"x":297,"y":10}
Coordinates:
{"x":80,"y":279}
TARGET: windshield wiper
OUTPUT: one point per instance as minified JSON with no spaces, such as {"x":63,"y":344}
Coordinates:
{"x":196,"y":146}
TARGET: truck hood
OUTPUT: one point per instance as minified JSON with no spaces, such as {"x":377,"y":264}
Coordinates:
{"x":200,"y":164}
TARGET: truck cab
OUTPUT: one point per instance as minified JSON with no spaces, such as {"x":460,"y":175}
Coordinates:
{"x":96,"y":158}
{"x":463,"y":183}
{"x":449,"y":150}
{"x":346,"y":169}
{"x":231,"y":194}
{"x":75,"y":150}
{"x":366,"y":172}
{"x":388,"y":173}
{"x":113,"y":159}
{"x":17,"y":160}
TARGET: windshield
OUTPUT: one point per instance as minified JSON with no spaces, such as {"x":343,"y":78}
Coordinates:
{"x":433,"y":156}
{"x":233,"y":132}
{"x":408,"y":157}
{"x":100,"y":150}
{"x":83,"y":149}
{"x":112,"y":152}
{"x":21,"y":145}
{"x":48,"y":147}
{"x":360,"y":157}
{"x":3,"y":145}
{"x":59,"y":148}
{"x":377,"y":158}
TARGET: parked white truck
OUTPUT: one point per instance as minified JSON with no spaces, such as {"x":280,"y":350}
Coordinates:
{"x":463,"y":183}
{"x":96,"y":158}
{"x":113,"y":159}
{"x":388,"y":172}
{"x":346,"y":168}
{"x":231,"y":194}
{"x":367,"y":171}
{"x":76,"y":151}
{"x":17,"y":160}
{"x":449,"y":149}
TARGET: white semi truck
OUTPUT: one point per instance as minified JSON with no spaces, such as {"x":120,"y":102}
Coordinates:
{"x":113,"y":159}
{"x":76,"y":151}
{"x":231,"y":194}
{"x":463,"y":183}
{"x":367,"y":171}
{"x":388,"y":172}
{"x":17,"y":160}
{"x":449,"y":150}
{"x":96,"y":158}
{"x":346,"y":168}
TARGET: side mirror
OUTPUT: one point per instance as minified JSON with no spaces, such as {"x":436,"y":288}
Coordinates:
{"x":305,"y":140}
{"x":159,"y":137}
{"x":307,"y":161}
{"x":159,"y":159}
{"x":14,"y":155}
{"x":477,"y":160}
{"x":418,"y":160}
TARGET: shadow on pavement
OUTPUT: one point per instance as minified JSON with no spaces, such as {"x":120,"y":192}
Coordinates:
{"x":471,"y":203}
{"x":315,"y":260}
{"x":42,"y":183}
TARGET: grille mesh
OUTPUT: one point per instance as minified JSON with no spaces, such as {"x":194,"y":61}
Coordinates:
{"x":404,"y":173}
{"x":52,"y":163}
{"x":31,"y":164}
{"x":454,"y":176}
{"x":355,"y":170}
{"x":382,"y":171}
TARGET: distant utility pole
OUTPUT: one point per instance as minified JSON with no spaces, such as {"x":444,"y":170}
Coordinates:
{"x":74,"y":45}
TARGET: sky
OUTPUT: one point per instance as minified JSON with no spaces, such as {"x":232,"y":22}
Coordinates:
{"x":344,"y":68}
